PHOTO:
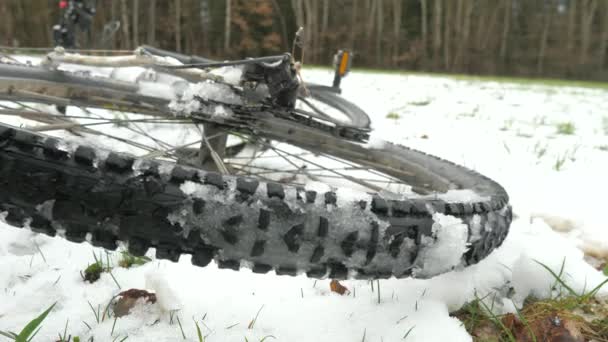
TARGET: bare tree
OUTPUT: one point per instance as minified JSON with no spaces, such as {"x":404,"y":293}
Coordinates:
{"x":489,"y":28}
{"x":379,"y":31}
{"x":371,"y":14}
{"x":8,"y":23}
{"x":547,"y":17}
{"x":465,"y":30}
{"x":227,"y":24}
{"x":135,"y":23}
{"x":283,"y":24}
{"x":587,"y":14}
{"x":325,"y":16}
{"x":397,"y":13}
{"x":298,"y":8}
{"x":571,"y":25}
{"x":437,"y":16}
{"x":423,"y":23}
{"x":178,"y":25}
{"x":353,"y":24}
{"x":151,"y":22}
{"x":604,"y":39}
{"x":506,"y":26}
{"x":447,"y":35}
{"x":125,"y":24}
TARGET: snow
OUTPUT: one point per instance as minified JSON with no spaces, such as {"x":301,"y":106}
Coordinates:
{"x":497,"y":129}
{"x":231,"y":74}
{"x":189,"y":98}
{"x":166,"y":297}
{"x":442,"y":251}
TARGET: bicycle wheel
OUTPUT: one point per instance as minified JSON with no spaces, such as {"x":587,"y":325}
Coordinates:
{"x":321,"y":99}
{"x":255,"y":216}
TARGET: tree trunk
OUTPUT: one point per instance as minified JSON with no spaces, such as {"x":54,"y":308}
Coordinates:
{"x":227,"y":25}
{"x":370,"y":24}
{"x":505,"y":31}
{"x":8,"y":24}
{"x":587,"y":12}
{"x":309,"y":33}
{"x":379,"y":32}
{"x":135,"y":23}
{"x":299,"y":12}
{"x":437,"y":16}
{"x":315,"y":27}
{"x":151,"y":22}
{"x":178,"y":25}
{"x":544,"y":36}
{"x":424,"y":28}
{"x":489,"y":28}
{"x":447,"y":33}
{"x":325,"y":16}
{"x":125,"y":24}
{"x":283,"y":24}
{"x":353,"y":24}
{"x":397,"y":11}
{"x":571,"y":26}
{"x":465,"y":32}
{"x":114,"y":10}
{"x":604,"y":40}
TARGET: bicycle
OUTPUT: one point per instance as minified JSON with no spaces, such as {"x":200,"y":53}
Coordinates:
{"x":254,"y":196}
{"x":74,"y":28}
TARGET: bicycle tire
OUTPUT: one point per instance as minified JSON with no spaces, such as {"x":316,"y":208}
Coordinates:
{"x":108,"y":197}
{"x":356,"y":116}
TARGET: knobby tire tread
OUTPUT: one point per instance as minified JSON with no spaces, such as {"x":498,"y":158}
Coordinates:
{"x":87,"y":194}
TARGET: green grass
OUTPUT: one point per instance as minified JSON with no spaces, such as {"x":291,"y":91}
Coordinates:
{"x":523,"y":81}
{"x":393,"y":116}
{"x":128,"y":260}
{"x":93,"y":271}
{"x":30,"y":330}
{"x":559,"y":163}
{"x":566,"y":128}
{"x":583,"y":309}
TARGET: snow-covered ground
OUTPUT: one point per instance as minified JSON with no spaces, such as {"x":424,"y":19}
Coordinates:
{"x":509,"y":132}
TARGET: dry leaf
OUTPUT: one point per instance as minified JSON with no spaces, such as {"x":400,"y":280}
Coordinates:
{"x":549,"y":328}
{"x":129,"y":298}
{"x":335,"y":286}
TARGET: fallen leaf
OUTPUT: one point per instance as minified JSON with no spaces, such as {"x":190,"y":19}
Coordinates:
{"x":128,"y":299}
{"x":550,"y":328}
{"x":338,"y":288}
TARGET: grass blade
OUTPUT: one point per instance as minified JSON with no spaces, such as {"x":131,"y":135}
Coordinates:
{"x":408,"y":333}
{"x":559,"y":279}
{"x":497,"y":321}
{"x":198,"y":332}
{"x":34,"y":324}
{"x":8,"y":334}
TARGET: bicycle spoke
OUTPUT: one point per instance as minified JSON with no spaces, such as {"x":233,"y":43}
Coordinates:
{"x":347,"y":177}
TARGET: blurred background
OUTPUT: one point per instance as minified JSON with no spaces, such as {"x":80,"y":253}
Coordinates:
{"x":544,"y":38}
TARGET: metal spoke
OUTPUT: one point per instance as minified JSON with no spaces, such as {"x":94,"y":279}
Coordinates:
{"x":313,"y":107}
{"x":70,"y":125}
{"x":219,"y":163}
{"x":347,"y":177}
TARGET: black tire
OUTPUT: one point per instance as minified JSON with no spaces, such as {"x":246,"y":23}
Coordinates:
{"x":356,"y":116}
{"x":89,"y":194}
